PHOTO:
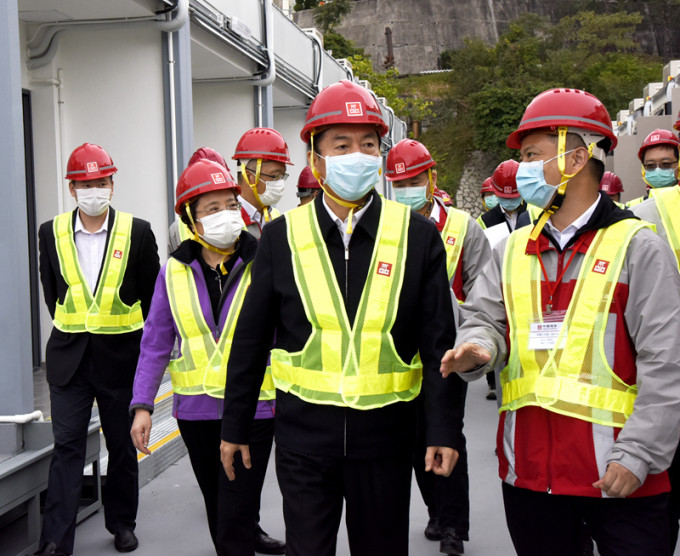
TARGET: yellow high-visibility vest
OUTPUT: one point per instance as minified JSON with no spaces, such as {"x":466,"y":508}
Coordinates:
{"x":668,"y":204}
{"x":576,"y":381}
{"x":202,"y":367}
{"x":453,"y":235}
{"x":184,"y":231}
{"x":103,"y":313}
{"x":534,"y":212}
{"x":635,"y":201}
{"x":481,"y":222}
{"x":356,"y":366}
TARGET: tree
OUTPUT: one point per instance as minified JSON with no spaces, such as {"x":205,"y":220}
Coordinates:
{"x":328,"y":15}
{"x":305,"y":5}
{"x":340,"y":46}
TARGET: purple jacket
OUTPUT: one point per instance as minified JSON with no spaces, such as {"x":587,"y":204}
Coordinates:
{"x":158,"y":340}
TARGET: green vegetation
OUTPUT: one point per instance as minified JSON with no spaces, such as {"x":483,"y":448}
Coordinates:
{"x":490,"y":85}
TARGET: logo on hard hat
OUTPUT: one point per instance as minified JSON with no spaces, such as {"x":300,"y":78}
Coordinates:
{"x":384,"y":269}
{"x":605,"y":187}
{"x":354,"y":109}
{"x":655,"y":137}
{"x":117,"y":254}
{"x":92,"y":167}
{"x":600,"y":266}
{"x":218,"y":178}
{"x":450,"y":240}
{"x":400,"y":168}
{"x":507,"y":189}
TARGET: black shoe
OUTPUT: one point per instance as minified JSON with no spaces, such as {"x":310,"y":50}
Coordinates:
{"x":50,"y":549}
{"x":125,"y":541}
{"x":264,"y":544}
{"x":491,"y":394}
{"x":432,"y":531}
{"x":451,"y":543}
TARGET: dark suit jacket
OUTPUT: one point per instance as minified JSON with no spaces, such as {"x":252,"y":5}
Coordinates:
{"x":115,"y":354}
{"x":424,"y":322}
{"x":495,"y":216}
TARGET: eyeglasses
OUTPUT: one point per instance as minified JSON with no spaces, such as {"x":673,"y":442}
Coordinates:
{"x":663,"y":165}
{"x":275,"y":177}
{"x":215,"y":209}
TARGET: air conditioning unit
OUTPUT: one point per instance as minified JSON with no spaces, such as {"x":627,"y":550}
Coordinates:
{"x":636,"y":104}
{"x":382,"y":100}
{"x":365,"y":84}
{"x":651,"y":89}
{"x":671,"y":70}
{"x":622,"y":116}
{"x":345,"y":63}
{"x":314,"y":31}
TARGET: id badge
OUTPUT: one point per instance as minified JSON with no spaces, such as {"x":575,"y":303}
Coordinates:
{"x":544,"y":334}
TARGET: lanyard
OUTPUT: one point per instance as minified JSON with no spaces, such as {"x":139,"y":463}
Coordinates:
{"x":553,"y":288}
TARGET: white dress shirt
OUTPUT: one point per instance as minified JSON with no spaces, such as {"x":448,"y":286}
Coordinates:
{"x":565,"y":235}
{"x":90,"y":246}
{"x":254,"y":214}
{"x":342,"y":224}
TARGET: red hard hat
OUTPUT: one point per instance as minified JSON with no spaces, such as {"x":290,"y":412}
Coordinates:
{"x":208,"y":154}
{"x":611,"y":183}
{"x":487,"y":187}
{"x":676,"y":126}
{"x":503,"y":180}
{"x":659,"y":137}
{"x":443,"y":196}
{"x":201,"y":177}
{"x":89,"y":162}
{"x":343,"y":103}
{"x":264,"y":143}
{"x":564,"y":107}
{"x":406,"y":159}
{"x":307,"y":179}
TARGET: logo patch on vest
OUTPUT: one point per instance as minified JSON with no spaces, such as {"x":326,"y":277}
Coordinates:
{"x":384,"y":269}
{"x":600,"y":266}
{"x":217,"y":177}
{"x":117,"y":254}
{"x":92,"y":167}
{"x":354,"y":109}
{"x":450,"y":240}
{"x":399,"y":168}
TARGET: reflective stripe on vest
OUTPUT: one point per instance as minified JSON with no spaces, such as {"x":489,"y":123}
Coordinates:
{"x":105,"y":313}
{"x":453,"y":236}
{"x":481,"y":222}
{"x":636,"y":201}
{"x":202,"y":367}
{"x":576,"y":381}
{"x":668,"y":204}
{"x":340,"y":365}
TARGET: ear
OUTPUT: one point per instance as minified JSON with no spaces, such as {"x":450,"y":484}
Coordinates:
{"x":72,"y":188}
{"x":579,"y":158}
{"x":434,"y":178}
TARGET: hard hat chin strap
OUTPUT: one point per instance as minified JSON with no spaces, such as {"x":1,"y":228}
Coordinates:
{"x":253,"y":187}
{"x":558,"y":199}
{"x":198,"y":239}
{"x":352,"y":206}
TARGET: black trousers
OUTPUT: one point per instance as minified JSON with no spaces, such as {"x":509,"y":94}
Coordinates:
{"x":232,"y":507}
{"x":543,"y":524}
{"x":446,"y":498}
{"x":377,"y":493}
{"x":71,"y":411}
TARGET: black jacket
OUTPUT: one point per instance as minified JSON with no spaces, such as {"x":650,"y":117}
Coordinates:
{"x":273,"y":308}
{"x":495,"y":216}
{"x":116,"y":354}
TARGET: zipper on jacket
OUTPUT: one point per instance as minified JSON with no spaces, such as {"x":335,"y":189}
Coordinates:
{"x":344,"y":435}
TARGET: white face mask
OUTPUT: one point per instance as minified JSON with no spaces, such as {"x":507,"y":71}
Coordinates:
{"x":93,"y":201}
{"x":221,"y":229}
{"x":273,"y":192}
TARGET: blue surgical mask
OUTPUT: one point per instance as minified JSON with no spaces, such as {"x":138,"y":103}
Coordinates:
{"x":414,"y":197}
{"x":510,"y":204}
{"x":352,"y":176}
{"x":660,"y":177}
{"x":490,"y":202}
{"x":531,"y":182}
